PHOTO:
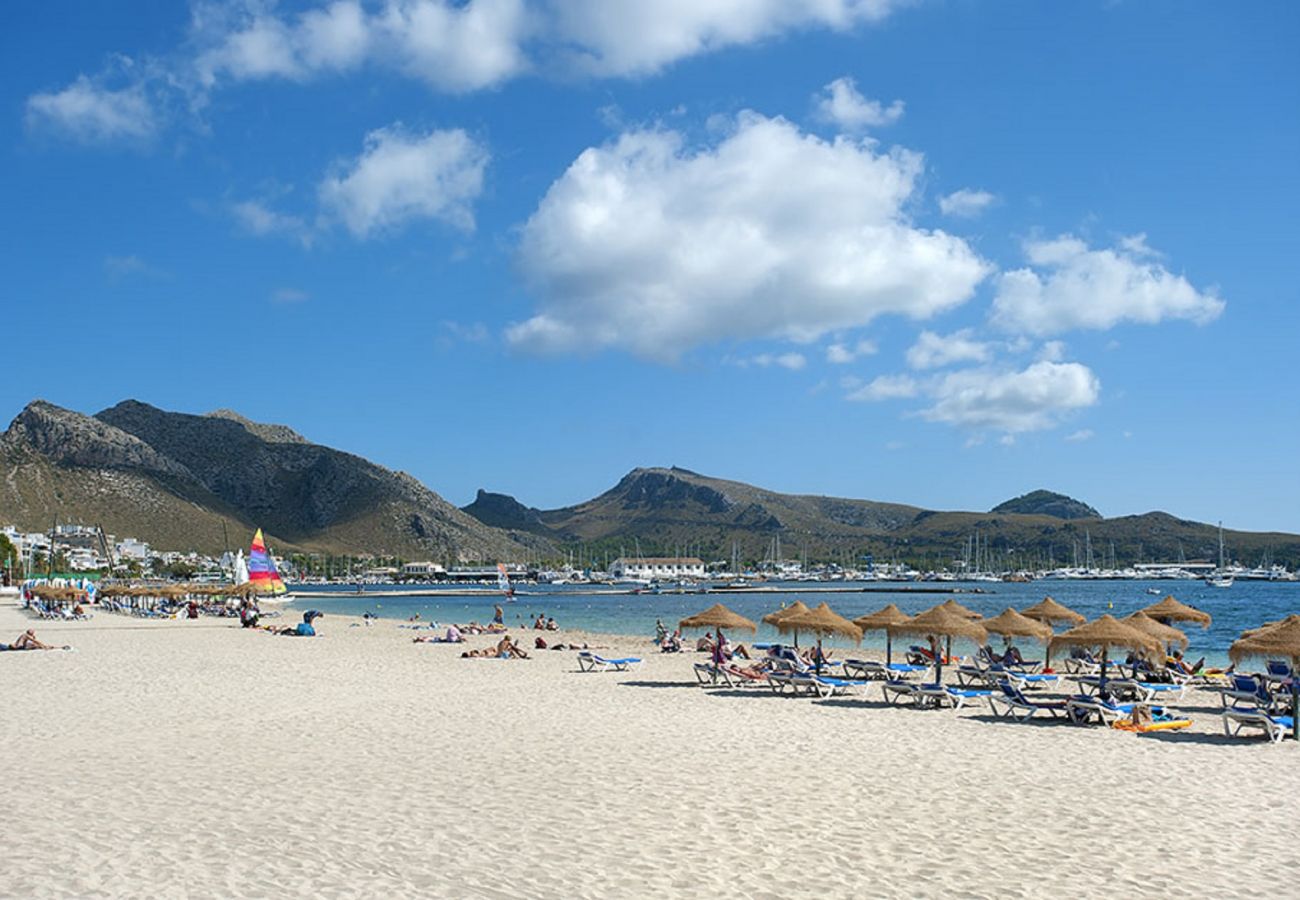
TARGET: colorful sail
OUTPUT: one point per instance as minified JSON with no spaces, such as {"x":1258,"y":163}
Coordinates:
{"x":262,"y":573}
{"x":503,"y":582}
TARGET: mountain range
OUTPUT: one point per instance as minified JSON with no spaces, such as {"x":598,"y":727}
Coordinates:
{"x":183,"y":481}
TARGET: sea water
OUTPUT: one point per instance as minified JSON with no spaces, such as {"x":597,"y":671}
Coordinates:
{"x":1244,"y":605}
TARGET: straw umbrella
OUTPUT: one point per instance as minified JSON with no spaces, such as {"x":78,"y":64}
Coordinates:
{"x":1280,"y":640}
{"x":938,"y":622}
{"x":1171,"y":610}
{"x":717,"y":617}
{"x":1049,"y":611}
{"x":954,"y":607}
{"x":821,"y":621}
{"x":1010,"y":623}
{"x":1105,"y":633}
{"x":880,"y":620}
{"x":798,"y":607}
{"x":1165,"y":634}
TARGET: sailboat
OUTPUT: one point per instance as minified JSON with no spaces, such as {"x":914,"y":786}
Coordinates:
{"x":1220,"y":579}
{"x":262,"y":573}
{"x":503,"y":582}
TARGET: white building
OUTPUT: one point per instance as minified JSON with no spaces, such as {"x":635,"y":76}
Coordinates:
{"x":130,"y":548}
{"x":423,"y":570}
{"x":649,"y":567}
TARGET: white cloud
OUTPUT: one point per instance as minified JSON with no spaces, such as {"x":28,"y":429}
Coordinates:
{"x":613,"y":38}
{"x":91,"y":113}
{"x":966,"y":203}
{"x":121,"y":266}
{"x":1072,"y":286}
{"x":1052,"y":351}
{"x":1083,"y":434}
{"x":840,"y":103}
{"x":401,"y":176}
{"x":259,"y":219}
{"x":933,"y":351}
{"x":451,"y":46}
{"x":1029,"y":400}
{"x":887,"y":387}
{"x":651,"y":246}
{"x":842,"y":354}
{"x":792,"y":361}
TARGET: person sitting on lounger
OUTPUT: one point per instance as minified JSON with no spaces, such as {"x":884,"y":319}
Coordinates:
{"x":1012,"y":657}
{"x":1178,"y":664}
{"x":27,"y":641}
{"x":728,"y":651}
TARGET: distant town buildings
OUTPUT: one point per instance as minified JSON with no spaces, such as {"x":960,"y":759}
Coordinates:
{"x":649,"y":567}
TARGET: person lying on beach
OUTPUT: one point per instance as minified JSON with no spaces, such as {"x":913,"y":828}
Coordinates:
{"x":303,"y":628}
{"x":1178,"y":664}
{"x":27,"y":641}
{"x":453,"y":636}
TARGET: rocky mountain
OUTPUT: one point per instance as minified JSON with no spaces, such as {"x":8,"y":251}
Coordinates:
{"x":668,"y":510}
{"x":1047,"y":503}
{"x":174,"y":478}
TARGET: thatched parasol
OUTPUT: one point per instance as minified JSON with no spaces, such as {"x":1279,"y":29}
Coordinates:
{"x":941,"y":621}
{"x":821,"y":621}
{"x":796,"y":608}
{"x":1281,"y":640}
{"x":880,"y":620}
{"x":1105,"y":633}
{"x":1172,"y":610}
{"x":1010,"y":623}
{"x":1165,"y":634}
{"x":717,"y":616}
{"x":954,"y":606}
{"x":1053,"y":613}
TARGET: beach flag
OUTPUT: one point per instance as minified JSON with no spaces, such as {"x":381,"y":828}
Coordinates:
{"x":262,"y":573}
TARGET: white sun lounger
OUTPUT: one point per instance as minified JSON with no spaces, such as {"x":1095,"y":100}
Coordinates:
{"x":1274,"y":727}
{"x":590,"y":662}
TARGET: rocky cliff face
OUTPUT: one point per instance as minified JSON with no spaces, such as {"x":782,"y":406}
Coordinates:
{"x":132,"y":461}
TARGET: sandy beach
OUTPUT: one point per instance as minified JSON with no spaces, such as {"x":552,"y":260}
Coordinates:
{"x":193,"y":758}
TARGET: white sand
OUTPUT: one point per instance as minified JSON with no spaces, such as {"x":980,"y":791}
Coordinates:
{"x":196,"y":759}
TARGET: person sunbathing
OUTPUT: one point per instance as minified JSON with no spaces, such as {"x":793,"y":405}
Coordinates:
{"x":453,"y":636}
{"x":1178,"y":664}
{"x":508,"y":649}
{"x":27,"y":641}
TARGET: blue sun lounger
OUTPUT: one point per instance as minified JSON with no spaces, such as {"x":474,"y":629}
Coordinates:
{"x":590,"y":662}
{"x":1082,"y":710}
{"x":1274,"y":727}
{"x":1014,"y":703}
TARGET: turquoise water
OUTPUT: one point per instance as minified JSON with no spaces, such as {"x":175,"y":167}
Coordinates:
{"x":1244,"y":605}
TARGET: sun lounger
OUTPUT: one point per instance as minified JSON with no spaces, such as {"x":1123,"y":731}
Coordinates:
{"x":788,"y":682}
{"x":1274,"y":727}
{"x":1016,"y":705}
{"x":939,"y":695}
{"x":871,"y":670}
{"x":1248,"y":692}
{"x":727,"y":675}
{"x":1082,"y":710}
{"x":590,"y":662}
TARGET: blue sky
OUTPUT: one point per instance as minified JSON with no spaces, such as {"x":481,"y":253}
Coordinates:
{"x":933,"y":252}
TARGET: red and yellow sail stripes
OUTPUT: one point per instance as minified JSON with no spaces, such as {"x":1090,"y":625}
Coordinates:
{"x":262,"y":573}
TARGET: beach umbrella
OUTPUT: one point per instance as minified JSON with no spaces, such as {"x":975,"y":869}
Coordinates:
{"x":1281,"y":640}
{"x":1010,"y":623}
{"x":954,"y":606}
{"x":1053,"y":613}
{"x":821,"y":621}
{"x":1105,"y":633}
{"x":1172,"y":610}
{"x":717,"y":617}
{"x":796,"y":608}
{"x":880,"y":620}
{"x":938,"y":622}
{"x":1165,"y":634}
